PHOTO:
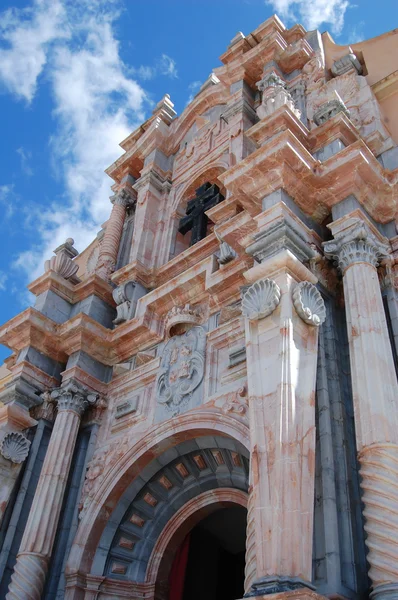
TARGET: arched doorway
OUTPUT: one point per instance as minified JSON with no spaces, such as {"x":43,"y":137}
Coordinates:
{"x":210,"y":562}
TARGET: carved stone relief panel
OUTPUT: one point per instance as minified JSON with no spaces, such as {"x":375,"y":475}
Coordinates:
{"x":181,"y":372}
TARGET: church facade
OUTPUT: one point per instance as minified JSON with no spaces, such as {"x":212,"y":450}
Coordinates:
{"x":204,"y":402}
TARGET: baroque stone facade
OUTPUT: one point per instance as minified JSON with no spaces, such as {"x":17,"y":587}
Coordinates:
{"x":211,"y":386}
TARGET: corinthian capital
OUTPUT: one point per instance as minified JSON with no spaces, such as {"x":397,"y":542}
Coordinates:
{"x":357,"y":244}
{"x":73,"y":397}
{"x":123,"y":198}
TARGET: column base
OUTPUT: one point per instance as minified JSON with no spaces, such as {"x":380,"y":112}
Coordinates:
{"x":276,"y":585}
{"x":388,"y":591}
{"x":303,"y":593}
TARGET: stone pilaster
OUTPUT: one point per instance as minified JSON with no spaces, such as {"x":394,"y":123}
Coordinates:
{"x":358,"y":251}
{"x":36,"y":546}
{"x":283,"y":311}
{"x":113,"y":233}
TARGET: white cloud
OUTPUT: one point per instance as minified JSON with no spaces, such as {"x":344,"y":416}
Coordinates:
{"x":96,"y":105}
{"x":167,"y":66}
{"x":6,"y":200}
{"x":312,"y":13}
{"x":3,"y":281}
{"x":193,"y":88}
{"x":25,"y":36}
{"x":25,"y":158}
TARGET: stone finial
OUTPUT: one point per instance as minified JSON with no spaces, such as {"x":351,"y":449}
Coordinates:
{"x":211,"y":80}
{"x":260,"y":299}
{"x":15,"y":447}
{"x":346,"y":63}
{"x":73,"y":398}
{"x":237,"y":38}
{"x":165,"y":109}
{"x":357,"y":244}
{"x":330,"y":109}
{"x":62,"y":263}
{"x":182,"y":318}
{"x":309,"y":303}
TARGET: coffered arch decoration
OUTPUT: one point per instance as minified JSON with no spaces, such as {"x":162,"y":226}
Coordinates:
{"x":175,"y":478}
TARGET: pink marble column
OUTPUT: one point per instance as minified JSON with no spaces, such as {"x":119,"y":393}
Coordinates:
{"x":34,"y":554}
{"x":375,"y":391}
{"x":283,"y":313}
{"x":110,"y":244}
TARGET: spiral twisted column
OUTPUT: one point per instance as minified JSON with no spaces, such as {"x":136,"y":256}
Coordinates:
{"x":110,"y":244}
{"x":358,"y":251}
{"x":28,"y":578}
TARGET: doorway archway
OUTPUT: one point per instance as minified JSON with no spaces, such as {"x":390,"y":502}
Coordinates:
{"x":210,"y":562}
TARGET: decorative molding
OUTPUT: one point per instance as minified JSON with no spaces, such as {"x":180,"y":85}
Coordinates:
{"x":72,"y":397}
{"x":309,"y":303}
{"x":281,"y":235}
{"x":182,"y":318}
{"x":181,"y":369}
{"x":330,"y":109}
{"x":15,"y":447}
{"x":62,"y":263}
{"x":236,"y":402}
{"x":271,"y":80}
{"x":126,"y":297}
{"x":345,"y":64}
{"x":274,"y":95}
{"x":261,"y":299}
{"x":357,"y":244}
{"x":123,"y":198}
{"x":226,"y":254}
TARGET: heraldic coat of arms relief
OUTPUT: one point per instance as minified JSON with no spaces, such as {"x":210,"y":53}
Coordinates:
{"x":181,"y":369}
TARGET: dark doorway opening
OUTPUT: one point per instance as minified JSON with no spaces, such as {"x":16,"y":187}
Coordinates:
{"x":215,"y":565}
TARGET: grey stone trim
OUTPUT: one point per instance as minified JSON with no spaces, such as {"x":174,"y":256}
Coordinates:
{"x":53,"y":306}
{"x":41,"y":361}
{"x":90,"y":365}
{"x":329,"y":150}
{"x":97,"y":309}
{"x":16,"y":515}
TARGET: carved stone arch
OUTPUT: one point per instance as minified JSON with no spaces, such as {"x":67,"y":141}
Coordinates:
{"x":208,"y":172}
{"x":184,"y":192}
{"x":159,"y":438}
{"x":151,"y":502}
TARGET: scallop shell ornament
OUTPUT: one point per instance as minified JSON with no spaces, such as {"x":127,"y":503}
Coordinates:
{"x":261,"y":299}
{"x":309,"y":303}
{"x":15,"y":447}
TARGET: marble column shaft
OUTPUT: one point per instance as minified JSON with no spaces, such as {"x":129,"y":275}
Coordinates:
{"x":110,"y":244}
{"x":34,"y":554}
{"x":281,"y":363}
{"x":375,"y":393}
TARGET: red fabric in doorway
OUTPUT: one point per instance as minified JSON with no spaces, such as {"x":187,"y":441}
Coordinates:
{"x":178,"y":570}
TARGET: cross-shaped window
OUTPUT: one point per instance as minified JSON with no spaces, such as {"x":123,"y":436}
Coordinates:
{"x":207,"y":196}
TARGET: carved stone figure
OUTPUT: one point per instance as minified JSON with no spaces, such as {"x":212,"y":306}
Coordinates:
{"x":181,"y":369}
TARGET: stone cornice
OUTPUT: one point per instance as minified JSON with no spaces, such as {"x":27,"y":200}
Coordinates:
{"x":285,"y":163}
{"x":92,"y":285}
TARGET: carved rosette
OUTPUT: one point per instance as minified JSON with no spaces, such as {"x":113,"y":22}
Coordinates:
{"x":309,"y":303}
{"x":73,"y":398}
{"x":358,"y":245}
{"x":15,"y":447}
{"x":261,"y":299}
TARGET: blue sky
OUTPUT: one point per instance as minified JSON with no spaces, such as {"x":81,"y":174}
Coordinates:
{"x":77,"y":76}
